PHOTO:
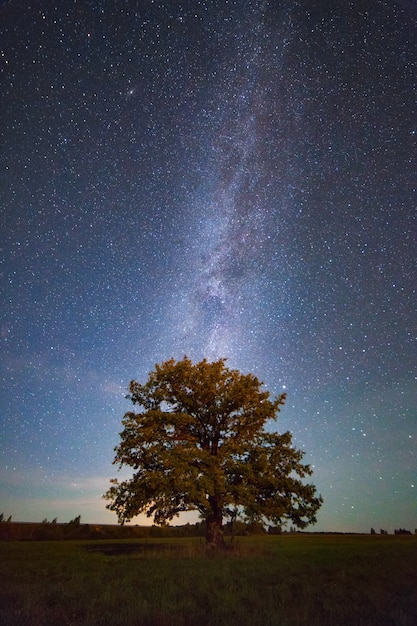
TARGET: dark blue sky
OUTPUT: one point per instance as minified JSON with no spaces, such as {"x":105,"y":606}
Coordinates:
{"x":216,"y":179}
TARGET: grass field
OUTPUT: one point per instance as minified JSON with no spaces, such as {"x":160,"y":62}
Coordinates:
{"x":311,"y":580}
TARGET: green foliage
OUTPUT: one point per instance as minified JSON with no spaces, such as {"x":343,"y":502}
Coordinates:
{"x":197,"y":441}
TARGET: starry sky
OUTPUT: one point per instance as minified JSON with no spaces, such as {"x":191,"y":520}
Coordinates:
{"x":230,"y":178}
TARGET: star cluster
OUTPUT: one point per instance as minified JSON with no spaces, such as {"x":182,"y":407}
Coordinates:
{"x":217,"y":179}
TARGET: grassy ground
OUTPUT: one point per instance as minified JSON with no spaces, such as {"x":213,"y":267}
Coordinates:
{"x":309,"y":580}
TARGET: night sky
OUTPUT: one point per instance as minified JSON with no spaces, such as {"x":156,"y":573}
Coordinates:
{"x":217,"y":179}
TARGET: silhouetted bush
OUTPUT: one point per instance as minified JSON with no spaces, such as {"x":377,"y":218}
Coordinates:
{"x":402,"y":531}
{"x":6,"y":528}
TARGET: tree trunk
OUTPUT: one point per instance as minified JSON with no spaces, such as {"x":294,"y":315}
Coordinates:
{"x":214,"y":530}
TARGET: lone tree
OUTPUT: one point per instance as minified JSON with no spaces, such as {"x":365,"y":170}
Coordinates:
{"x":198,"y":442}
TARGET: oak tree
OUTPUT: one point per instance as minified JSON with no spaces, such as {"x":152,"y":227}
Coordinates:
{"x":197,"y":441}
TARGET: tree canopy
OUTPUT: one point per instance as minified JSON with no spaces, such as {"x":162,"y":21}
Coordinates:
{"x":197,"y":441}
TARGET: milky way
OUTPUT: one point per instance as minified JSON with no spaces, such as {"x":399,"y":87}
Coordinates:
{"x":216,"y":179}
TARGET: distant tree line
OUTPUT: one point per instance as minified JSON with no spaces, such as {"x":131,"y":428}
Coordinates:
{"x":74,"y":529}
{"x":399,"y":531}
{"x":38,"y":531}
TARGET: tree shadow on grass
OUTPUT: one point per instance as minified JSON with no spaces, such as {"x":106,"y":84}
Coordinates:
{"x":155,"y":549}
{"x":116,"y":549}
